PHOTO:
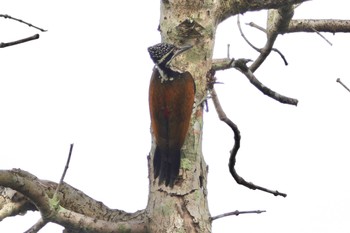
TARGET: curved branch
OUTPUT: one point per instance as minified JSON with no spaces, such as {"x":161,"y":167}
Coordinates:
{"x":29,"y":186}
{"x":264,"y":89}
{"x":81,"y":207}
{"x":240,"y":64}
{"x":13,"y":203}
{"x":244,"y":37}
{"x":237,"y":139}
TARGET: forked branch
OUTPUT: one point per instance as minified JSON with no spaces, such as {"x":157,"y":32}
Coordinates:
{"x":281,"y":22}
{"x":261,"y":51}
{"x":84,"y":213}
{"x":278,"y":20}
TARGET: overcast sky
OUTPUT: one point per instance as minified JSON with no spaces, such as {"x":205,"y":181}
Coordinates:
{"x":85,"y":81}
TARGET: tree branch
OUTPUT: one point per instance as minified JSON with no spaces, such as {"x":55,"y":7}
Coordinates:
{"x":29,"y":186}
{"x":236,"y":213}
{"x":312,"y":26}
{"x":34,"y":37}
{"x":277,"y":21}
{"x":13,"y":203}
{"x":244,"y":37}
{"x":55,"y":201}
{"x":21,"y":21}
{"x":255,"y":48}
{"x":240,"y":64}
{"x":64,"y":172}
{"x":280,"y":22}
{"x":7,"y":44}
{"x":254,"y":25}
{"x":230,"y":8}
{"x":339,"y":81}
{"x":73,"y":220}
{"x":237,"y":139}
{"x":320,"y":25}
{"x":37,"y":226}
{"x":75,"y":207}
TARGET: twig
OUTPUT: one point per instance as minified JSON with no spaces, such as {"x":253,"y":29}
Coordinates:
{"x":37,"y":226}
{"x":34,"y":37}
{"x":64,"y":172}
{"x":252,"y":24}
{"x":281,"y":55}
{"x":21,"y":21}
{"x":237,"y":139}
{"x":236,"y":213}
{"x":338,"y":80}
{"x":244,"y":37}
{"x":323,"y":37}
{"x":228,"y":50}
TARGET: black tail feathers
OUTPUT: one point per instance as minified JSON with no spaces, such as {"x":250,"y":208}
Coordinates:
{"x":166,"y":165}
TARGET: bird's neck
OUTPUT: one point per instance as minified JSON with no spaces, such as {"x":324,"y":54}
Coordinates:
{"x":167,"y":73}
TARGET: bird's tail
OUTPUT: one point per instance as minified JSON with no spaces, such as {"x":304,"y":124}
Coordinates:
{"x":166,"y":165}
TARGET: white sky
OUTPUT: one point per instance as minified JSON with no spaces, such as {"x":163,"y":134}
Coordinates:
{"x":79,"y":84}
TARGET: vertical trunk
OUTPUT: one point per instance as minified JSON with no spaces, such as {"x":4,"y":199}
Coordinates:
{"x":184,"y":207}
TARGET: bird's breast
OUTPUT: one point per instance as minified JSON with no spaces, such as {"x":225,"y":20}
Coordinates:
{"x":171,"y":104}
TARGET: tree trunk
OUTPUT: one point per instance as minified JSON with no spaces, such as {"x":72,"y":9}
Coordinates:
{"x":184,"y":207}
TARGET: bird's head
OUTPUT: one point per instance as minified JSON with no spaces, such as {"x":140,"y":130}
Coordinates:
{"x":162,"y":54}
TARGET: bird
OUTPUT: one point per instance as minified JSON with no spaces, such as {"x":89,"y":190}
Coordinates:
{"x":171,"y":99}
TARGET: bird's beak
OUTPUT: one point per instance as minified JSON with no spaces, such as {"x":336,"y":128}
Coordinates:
{"x":182,"y":49}
{"x":179,"y":51}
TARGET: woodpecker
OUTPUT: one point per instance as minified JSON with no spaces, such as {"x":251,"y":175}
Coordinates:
{"x":171,"y":98}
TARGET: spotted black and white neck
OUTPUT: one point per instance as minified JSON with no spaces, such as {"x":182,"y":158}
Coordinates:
{"x":162,"y":54}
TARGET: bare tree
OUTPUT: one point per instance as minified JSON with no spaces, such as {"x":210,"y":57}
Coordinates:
{"x":184,"y":207}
